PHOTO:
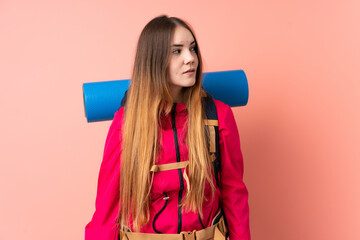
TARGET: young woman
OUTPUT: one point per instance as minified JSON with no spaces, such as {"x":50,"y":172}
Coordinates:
{"x":157,"y":179}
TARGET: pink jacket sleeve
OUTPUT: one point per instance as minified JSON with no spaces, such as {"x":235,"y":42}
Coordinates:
{"x":102,"y":225}
{"x":234,"y":194}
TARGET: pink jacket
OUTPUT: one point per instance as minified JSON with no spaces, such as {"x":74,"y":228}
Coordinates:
{"x":169,"y":187}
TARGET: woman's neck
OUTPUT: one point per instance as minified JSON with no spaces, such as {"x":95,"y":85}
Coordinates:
{"x":177,"y":94}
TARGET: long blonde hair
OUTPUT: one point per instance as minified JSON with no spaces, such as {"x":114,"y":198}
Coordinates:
{"x":148,"y":98}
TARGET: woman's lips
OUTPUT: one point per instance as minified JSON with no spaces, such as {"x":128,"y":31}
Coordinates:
{"x":190,"y":71}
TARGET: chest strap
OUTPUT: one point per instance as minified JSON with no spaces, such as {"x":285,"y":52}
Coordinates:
{"x":169,"y":166}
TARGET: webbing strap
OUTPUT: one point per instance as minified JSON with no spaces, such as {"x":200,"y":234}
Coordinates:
{"x":169,"y":166}
{"x":211,"y":122}
{"x":212,"y":147}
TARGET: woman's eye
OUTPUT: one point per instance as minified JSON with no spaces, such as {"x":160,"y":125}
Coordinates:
{"x":176,"y":51}
{"x":193,"y":49}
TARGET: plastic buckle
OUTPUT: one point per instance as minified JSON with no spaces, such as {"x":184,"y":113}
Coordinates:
{"x":189,"y":235}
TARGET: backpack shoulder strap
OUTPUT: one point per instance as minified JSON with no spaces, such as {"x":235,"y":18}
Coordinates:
{"x":212,"y":132}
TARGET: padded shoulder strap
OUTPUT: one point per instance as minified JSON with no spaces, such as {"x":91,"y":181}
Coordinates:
{"x":210,"y":108}
{"x":212,"y":130}
{"x":211,"y":114}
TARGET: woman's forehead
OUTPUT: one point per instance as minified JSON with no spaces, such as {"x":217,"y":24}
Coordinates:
{"x":182,"y":36}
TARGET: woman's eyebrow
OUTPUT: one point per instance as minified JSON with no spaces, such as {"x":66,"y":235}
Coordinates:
{"x":181,"y":45}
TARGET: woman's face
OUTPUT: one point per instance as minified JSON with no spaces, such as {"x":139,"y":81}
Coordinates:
{"x":183,"y":61}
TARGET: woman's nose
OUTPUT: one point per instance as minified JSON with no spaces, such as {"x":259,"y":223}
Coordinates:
{"x":189,"y":57}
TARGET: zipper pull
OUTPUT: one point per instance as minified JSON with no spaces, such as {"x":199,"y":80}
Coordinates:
{"x":166,"y":197}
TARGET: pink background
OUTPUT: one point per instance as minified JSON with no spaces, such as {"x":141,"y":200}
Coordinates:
{"x":300,"y":132}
